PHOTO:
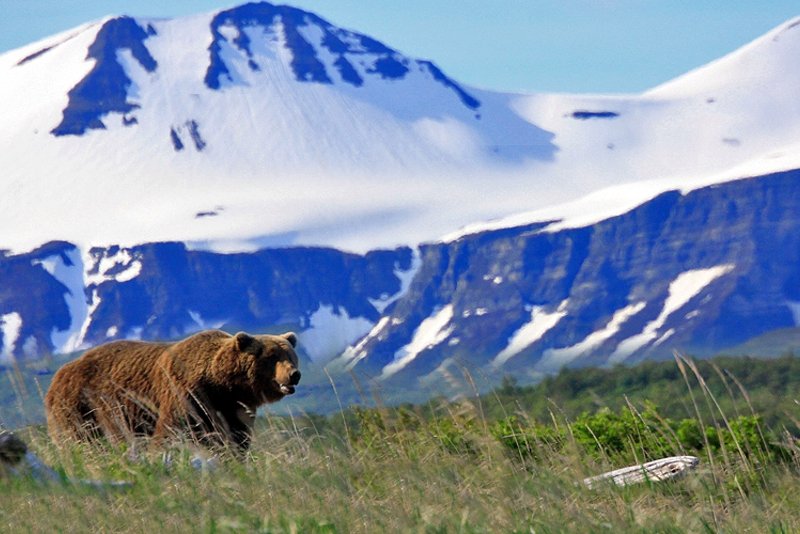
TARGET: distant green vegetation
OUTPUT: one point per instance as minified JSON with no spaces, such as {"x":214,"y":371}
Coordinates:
{"x":739,"y":385}
{"x":512,"y":460}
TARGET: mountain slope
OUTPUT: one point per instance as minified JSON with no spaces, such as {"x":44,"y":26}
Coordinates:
{"x":700,"y":272}
{"x":185,"y":129}
{"x":230,"y":111}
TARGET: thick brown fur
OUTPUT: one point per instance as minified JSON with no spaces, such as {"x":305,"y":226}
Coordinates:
{"x":206,"y":386}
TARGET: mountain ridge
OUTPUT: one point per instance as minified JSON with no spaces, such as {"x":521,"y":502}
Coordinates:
{"x":260,"y":168}
{"x":695,"y":271}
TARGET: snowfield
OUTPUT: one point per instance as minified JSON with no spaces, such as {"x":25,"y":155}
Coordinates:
{"x":386,"y":151}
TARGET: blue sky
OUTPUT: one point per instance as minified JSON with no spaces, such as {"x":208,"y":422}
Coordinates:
{"x":514,"y":45}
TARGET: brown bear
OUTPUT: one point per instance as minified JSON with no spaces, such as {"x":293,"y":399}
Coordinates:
{"x":207,"y":386}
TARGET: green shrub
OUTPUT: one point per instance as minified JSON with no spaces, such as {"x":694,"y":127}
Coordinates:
{"x":641,"y":436}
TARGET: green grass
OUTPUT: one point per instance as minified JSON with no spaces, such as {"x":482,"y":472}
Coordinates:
{"x":473,"y":465}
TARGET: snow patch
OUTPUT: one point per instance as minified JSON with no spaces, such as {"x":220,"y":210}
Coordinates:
{"x":67,"y":268}
{"x":10,"y":327}
{"x":204,"y":324}
{"x":665,"y":336}
{"x":331,"y":332}
{"x":354,"y":354}
{"x":228,"y":31}
{"x":531,"y":332}
{"x":87,"y":320}
{"x":794,"y":307}
{"x":120,"y":266}
{"x":681,"y":291}
{"x":405,"y":278}
{"x":554,"y":359}
{"x":428,"y":334}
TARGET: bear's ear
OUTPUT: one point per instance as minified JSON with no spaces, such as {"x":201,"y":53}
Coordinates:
{"x":291,"y":337}
{"x":245,"y":342}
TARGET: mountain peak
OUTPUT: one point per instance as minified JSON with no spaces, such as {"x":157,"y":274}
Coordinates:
{"x":757,"y":62}
{"x":253,"y":34}
{"x":316,"y":48}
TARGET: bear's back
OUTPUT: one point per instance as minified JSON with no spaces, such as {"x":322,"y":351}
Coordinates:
{"x":119,"y":364}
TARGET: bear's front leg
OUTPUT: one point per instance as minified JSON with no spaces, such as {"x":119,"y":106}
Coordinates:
{"x":171,"y":421}
{"x":241,"y":426}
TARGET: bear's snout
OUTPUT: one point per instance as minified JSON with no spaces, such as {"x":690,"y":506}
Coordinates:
{"x":294,"y":377}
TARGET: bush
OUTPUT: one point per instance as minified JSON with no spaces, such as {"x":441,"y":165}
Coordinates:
{"x":641,"y":436}
{"x":630,"y":436}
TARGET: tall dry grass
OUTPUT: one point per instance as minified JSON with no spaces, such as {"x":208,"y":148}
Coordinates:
{"x":442,"y":469}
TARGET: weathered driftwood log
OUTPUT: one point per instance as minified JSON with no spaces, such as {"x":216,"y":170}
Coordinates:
{"x":655,"y":471}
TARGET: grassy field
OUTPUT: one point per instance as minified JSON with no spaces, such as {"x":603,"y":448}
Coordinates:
{"x":441,"y":467}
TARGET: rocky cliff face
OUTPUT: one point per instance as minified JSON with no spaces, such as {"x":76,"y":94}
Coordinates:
{"x":58,"y":298}
{"x":700,"y":272}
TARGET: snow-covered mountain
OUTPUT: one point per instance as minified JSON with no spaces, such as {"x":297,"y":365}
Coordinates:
{"x":229,"y":169}
{"x":266,"y":125}
{"x":256,"y":125}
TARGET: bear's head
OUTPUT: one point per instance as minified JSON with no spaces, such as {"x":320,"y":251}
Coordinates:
{"x":265,"y":366}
